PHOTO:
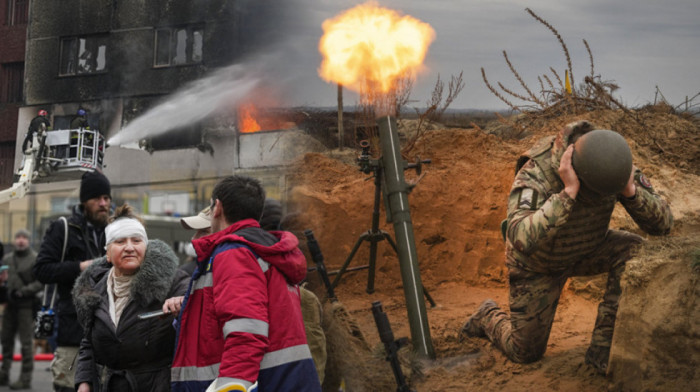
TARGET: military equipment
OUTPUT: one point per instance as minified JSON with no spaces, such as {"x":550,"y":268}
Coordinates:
{"x":390,"y":345}
{"x":396,"y":191}
{"x":317,"y":256}
{"x":603,"y":161}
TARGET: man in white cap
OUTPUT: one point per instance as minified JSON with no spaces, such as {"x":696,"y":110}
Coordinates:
{"x":201,"y":223}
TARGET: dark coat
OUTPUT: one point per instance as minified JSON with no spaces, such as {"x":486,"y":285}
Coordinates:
{"x":138,"y":352}
{"x":48,"y":268}
{"x":20,"y":279}
{"x":34,"y":126}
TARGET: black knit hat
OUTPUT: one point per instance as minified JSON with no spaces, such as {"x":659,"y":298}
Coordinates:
{"x":94,"y":184}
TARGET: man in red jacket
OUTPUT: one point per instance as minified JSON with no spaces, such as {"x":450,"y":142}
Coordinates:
{"x":241,"y":325}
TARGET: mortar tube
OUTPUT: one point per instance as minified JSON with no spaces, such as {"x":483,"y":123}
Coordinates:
{"x":396,"y":192}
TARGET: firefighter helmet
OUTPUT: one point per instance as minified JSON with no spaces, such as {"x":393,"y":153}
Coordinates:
{"x":603,"y":161}
{"x":43,"y":112}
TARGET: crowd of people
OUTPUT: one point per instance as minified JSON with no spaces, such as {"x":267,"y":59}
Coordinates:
{"x":123,"y":302}
{"x":235,"y":318}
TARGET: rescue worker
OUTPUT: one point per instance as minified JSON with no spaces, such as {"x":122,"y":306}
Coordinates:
{"x":559,"y":211}
{"x":80,"y":120}
{"x":38,"y":123}
{"x":246,"y":281}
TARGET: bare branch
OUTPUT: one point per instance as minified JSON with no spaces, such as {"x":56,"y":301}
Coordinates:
{"x":453,"y":89}
{"x":561,"y":41}
{"x":556,"y":75}
{"x":590,"y":56}
{"x":549,"y":82}
{"x":514,"y":94}
{"x":496,"y":93}
{"x":522,"y":83}
{"x":402,"y":92}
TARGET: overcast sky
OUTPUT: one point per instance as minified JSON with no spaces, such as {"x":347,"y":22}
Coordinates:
{"x":638,"y":44}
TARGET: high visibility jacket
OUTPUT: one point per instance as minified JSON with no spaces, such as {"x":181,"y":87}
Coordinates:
{"x":241,"y":319}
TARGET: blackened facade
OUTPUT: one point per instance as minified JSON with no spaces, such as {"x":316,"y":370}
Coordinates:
{"x":14,"y":15}
{"x":93,"y":50}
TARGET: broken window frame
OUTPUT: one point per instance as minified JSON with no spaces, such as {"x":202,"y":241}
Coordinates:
{"x":17,"y":12}
{"x":75,"y":56}
{"x":178,"y":46}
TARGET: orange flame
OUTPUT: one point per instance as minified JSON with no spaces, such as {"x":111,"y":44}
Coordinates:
{"x":246,"y":118}
{"x":373,"y":44}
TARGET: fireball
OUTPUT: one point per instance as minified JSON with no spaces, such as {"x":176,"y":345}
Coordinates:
{"x":374,"y":45}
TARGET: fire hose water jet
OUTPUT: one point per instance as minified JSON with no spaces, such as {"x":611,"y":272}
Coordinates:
{"x":221,"y":90}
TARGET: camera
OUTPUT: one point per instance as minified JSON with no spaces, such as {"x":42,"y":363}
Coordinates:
{"x":44,"y":324}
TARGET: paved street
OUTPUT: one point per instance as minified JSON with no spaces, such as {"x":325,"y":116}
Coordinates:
{"x":41,"y":381}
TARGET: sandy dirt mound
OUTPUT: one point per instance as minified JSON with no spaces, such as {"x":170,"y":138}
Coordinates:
{"x":456,"y":210}
{"x":657,"y":340}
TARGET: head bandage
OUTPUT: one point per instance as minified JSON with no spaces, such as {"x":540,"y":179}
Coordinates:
{"x":124,"y":228}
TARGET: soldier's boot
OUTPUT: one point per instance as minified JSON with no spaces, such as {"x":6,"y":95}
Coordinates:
{"x":474,"y":326}
{"x":4,"y":377}
{"x":597,"y":357}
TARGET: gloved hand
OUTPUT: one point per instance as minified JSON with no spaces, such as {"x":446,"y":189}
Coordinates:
{"x":219,"y":385}
{"x":16,"y":294}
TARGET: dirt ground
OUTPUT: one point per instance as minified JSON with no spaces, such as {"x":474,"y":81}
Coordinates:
{"x":456,"y":211}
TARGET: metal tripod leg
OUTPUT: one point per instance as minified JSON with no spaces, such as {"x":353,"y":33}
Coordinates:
{"x":342,"y":269}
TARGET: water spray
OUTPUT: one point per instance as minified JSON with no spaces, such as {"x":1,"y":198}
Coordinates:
{"x":193,"y":103}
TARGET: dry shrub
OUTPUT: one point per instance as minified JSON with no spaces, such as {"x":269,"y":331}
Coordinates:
{"x":664,"y":131}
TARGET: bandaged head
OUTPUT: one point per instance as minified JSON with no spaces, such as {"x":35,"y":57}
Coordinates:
{"x":125,"y":228}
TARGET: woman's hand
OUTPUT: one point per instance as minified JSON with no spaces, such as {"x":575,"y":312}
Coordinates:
{"x":84,"y":387}
{"x":568,"y":174}
{"x":172,"y":305}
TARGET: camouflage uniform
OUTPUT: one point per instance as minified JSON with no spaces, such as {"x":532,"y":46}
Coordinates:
{"x":551,"y":237}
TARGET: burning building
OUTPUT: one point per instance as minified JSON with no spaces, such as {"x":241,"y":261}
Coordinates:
{"x":117,"y":61}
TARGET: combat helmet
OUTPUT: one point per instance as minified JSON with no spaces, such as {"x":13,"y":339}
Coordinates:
{"x":603,"y":161}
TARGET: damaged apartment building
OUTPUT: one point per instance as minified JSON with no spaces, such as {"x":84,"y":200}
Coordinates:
{"x":116,"y":59}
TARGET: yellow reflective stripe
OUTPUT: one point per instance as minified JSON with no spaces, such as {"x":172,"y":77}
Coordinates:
{"x":248,"y":325}
{"x":285,"y":355}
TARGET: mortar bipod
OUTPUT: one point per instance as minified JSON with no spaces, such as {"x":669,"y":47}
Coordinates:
{"x":374,"y":234}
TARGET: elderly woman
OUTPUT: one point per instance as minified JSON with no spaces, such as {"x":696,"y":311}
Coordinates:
{"x":135,"y":277}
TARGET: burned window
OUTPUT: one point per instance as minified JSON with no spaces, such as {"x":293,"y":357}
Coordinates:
{"x":178,"y":46}
{"x":11,"y":82}
{"x":17,"y":12}
{"x":83,"y":55}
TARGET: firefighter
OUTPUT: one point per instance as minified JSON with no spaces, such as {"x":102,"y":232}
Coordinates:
{"x":80,"y":120}
{"x":38,"y":123}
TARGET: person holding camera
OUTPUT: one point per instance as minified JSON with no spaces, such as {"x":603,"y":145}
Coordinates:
{"x":85,"y":242}
{"x":18,"y":318}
